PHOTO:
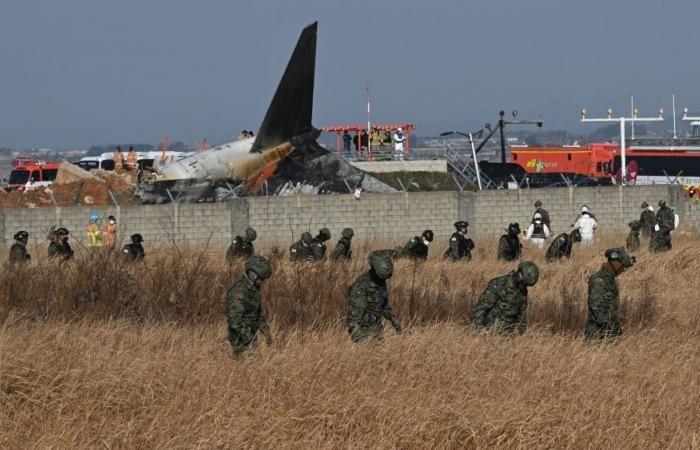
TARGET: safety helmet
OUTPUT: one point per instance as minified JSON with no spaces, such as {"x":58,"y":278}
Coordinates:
{"x":619,"y":254}
{"x":645,"y":205}
{"x":94,"y":217}
{"x":250,"y":234}
{"x":537,"y":216}
{"x":62,"y":232}
{"x":636,"y":225}
{"x":21,"y":236}
{"x":530,"y":272}
{"x":662,"y":203}
{"x":259,"y":266}
{"x":381,"y":265}
{"x":348,"y":233}
{"x":306,"y":237}
{"x":584,"y":209}
{"x":324,"y":234}
{"x":576,"y":235}
{"x":513,"y":228}
{"x":136,"y":238}
{"x":428,"y":235}
{"x":399,"y":129}
{"x":538,"y":204}
{"x":461,"y":224}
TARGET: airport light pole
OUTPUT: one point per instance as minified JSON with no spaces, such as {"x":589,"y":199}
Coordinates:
{"x":622,"y":120}
{"x":688,"y":118}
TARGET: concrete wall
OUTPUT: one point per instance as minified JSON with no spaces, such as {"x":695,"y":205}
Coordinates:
{"x":394,"y":217}
{"x":423,"y":165}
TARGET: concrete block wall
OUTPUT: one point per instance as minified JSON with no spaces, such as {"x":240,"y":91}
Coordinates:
{"x":376,"y":217}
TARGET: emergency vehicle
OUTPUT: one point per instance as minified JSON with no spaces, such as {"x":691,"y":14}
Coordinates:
{"x":592,"y":161}
{"x":28,"y":174}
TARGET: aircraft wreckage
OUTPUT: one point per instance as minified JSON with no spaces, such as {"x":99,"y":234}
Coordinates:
{"x":284,"y":157}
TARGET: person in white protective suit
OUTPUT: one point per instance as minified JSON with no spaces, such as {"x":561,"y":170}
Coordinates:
{"x":538,"y":231}
{"x":586,"y":224}
{"x":398,"y":138}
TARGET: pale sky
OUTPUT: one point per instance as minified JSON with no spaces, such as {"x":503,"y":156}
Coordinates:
{"x":81,"y":72}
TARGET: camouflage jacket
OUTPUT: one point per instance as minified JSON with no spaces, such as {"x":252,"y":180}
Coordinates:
{"x":660,"y":241}
{"x":648,"y":220}
{"x":603,"y":302}
{"x":133,"y":252}
{"x":18,"y":253}
{"x":244,"y":312}
{"x":342,"y":250}
{"x":368,"y":305}
{"x":460,"y":247}
{"x":318,"y":250}
{"x":560,"y":247}
{"x":666,"y":217}
{"x":63,"y":252}
{"x":240,"y":248}
{"x":414,"y":249}
{"x":300,"y":252}
{"x":503,"y":304}
{"x":633,"y":243}
{"x":509,"y":247}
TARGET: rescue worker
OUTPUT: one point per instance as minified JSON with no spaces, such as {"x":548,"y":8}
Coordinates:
{"x":604,"y":296}
{"x":59,"y":247}
{"x":368,"y":300}
{"x":342,"y":250}
{"x":93,"y":231}
{"x":132,"y":159}
{"x":509,"y":246}
{"x":398,"y":138}
{"x":665,"y":216}
{"x":318,"y":244}
{"x":18,"y":251}
{"x":544,"y":215}
{"x":586,"y":225}
{"x":118,"y":158}
{"x":109,"y":232}
{"x":647,"y":219}
{"x":538,"y":231}
{"x":633,"y":243}
{"x":660,"y":240}
{"x":417,"y":247}
{"x":134,"y":251}
{"x":676,"y":219}
{"x":243,"y":308}
{"x":561,"y":246}
{"x":301,"y":249}
{"x":585,"y":208}
{"x":460,"y":246}
{"x":503,"y":305}
{"x":242,"y":247}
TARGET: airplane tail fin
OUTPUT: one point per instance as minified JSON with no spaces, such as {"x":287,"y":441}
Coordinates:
{"x":289,"y":113}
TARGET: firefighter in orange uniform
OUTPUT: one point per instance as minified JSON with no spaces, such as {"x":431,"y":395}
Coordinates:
{"x":132,"y":159}
{"x":109,"y":232}
{"x":118,"y":159}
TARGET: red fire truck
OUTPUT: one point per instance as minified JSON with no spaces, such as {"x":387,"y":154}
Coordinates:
{"x":28,"y":174}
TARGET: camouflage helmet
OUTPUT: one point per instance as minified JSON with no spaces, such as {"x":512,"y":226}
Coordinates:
{"x":381,"y":264}
{"x":259,"y":266}
{"x":662,"y":203}
{"x":324,"y":234}
{"x":136,"y":238}
{"x":348,"y":233}
{"x":306,"y":237}
{"x":250,"y":234}
{"x":62,"y":232}
{"x":645,"y":205}
{"x":636,"y":225}
{"x":619,"y":254}
{"x":513,"y":228}
{"x":21,"y":236}
{"x":576,"y":235}
{"x":428,"y":235}
{"x":530,"y":271}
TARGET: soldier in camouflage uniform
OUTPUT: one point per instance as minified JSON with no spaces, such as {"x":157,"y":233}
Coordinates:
{"x":665,"y":216}
{"x":648,"y":220}
{"x":301,"y":249}
{"x":416,"y":248}
{"x":59,"y":248}
{"x":134,"y":251}
{"x":318,"y":244}
{"x":368,"y":300}
{"x":18,"y":251}
{"x":562,"y":245}
{"x":503,"y":305}
{"x":342,"y":250}
{"x":243,"y":309}
{"x":509,"y":246}
{"x":604,"y":296}
{"x":242,"y":247}
{"x":460,"y":246}
{"x":660,"y":240}
{"x":633,"y":243}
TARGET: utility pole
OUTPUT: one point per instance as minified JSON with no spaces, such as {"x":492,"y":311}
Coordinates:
{"x":502,"y":128}
{"x":622,"y":120}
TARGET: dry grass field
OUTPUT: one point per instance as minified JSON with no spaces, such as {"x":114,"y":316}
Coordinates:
{"x":99,"y":354}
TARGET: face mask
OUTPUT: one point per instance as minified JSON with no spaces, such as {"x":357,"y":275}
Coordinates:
{"x":112,"y":222}
{"x":427,"y":243}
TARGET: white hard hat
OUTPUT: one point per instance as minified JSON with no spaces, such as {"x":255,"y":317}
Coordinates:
{"x":584,"y":209}
{"x":399,"y":129}
{"x":538,"y":216}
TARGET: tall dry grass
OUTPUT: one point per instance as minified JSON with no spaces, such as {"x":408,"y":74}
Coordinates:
{"x":98,"y":353}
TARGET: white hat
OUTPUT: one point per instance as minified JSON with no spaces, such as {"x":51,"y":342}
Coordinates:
{"x":538,"y":216}
{"x":399,"y":129}
{"x":584,"y":209}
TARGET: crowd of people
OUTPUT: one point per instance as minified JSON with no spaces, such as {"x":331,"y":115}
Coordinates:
{"x":381,"y":142}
